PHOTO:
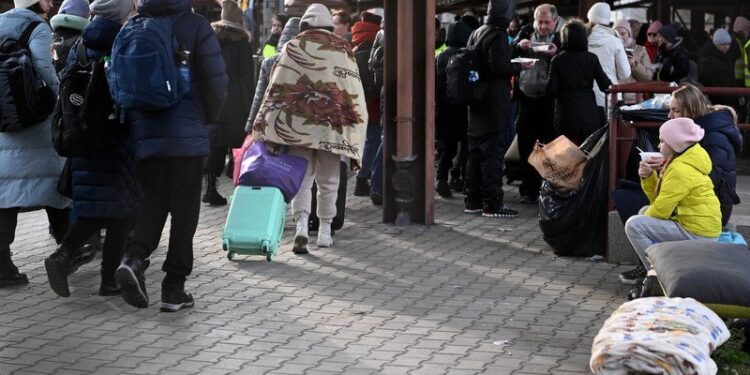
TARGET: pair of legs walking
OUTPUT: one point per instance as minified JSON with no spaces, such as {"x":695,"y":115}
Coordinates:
{"x":324,"y":169}
{"x":72,"y":253}
{"x":372,"y":144}
{"x":484,"y":176}
{"x":172,"y":186}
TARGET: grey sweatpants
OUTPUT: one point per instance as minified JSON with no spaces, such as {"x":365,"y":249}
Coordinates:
{"x":644,"y":231}
{"x":325,"y":169}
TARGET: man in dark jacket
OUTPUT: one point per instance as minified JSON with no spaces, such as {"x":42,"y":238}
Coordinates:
{"x":170,"y":147}
{"x":535,"y":108}
{"x":451,"y":122}
{"x":488,"y":120}
{"x":363,"y":38}
{"x":674,"y":63}
{"x":716,"y":67}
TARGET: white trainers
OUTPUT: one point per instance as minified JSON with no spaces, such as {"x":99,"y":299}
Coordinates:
{"x":324,"y":234}
{"x":300,"y":236}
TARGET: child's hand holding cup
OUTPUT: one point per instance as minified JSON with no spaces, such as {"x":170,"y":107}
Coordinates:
{"x":650,"y":161}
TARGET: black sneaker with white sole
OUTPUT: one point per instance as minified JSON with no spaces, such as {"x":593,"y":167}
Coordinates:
{"x":630,"y":277}
{"x":130,"y":276}
{"x":472,"y":206}
{"x":174,"y":299}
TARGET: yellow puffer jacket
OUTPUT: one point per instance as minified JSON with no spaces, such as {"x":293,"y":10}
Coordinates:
{"x":686,"y":194}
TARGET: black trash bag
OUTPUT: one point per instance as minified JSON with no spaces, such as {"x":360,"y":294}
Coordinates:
{"x":651,"y":115}
{"x":647,"y":140}
{"x":574,"y":222}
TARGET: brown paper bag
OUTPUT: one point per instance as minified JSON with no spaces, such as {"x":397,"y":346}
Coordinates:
{"x":559,"y":162}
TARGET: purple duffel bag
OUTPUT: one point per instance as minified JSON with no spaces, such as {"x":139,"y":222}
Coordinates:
{"x":262,"y":168}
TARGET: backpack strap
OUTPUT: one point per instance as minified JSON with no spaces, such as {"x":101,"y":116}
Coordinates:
{"x":80,"y":53}
{"x":24,"y":41}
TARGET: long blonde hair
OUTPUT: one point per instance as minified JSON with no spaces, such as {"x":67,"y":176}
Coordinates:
{"x":692,"y":101}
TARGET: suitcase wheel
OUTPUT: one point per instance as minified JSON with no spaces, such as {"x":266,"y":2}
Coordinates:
{"x":230,"y":255}
{"x":266,"y":250}
{"x":268,"y":257}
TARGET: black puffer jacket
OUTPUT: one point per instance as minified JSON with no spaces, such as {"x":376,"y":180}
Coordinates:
{"x":491,"y":115}
{"x":675,"y":63}
{"x":229,"y":129}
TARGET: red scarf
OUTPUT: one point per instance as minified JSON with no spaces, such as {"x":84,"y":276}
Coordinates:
{"x":652,"y":49}
{"x":364,"y":32}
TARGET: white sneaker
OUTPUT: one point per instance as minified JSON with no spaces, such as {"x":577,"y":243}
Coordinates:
{"x":324,"y":235}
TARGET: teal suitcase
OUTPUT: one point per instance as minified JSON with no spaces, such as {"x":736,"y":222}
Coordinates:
{"x":255,"y":222}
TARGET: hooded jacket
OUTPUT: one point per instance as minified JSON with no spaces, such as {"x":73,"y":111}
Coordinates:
{"x":363,"y":38}
{"x":686,"y":194}
{"x":722,"y":141}
{"x":180,"y":131}
{"x":66,"y":28}
{"x":607,"y":46}
{"x":450,"y":121}
{"x":291,"y":29}
{"x":29,"y":165}
{"x":533,"y":82}
{"x":572,"y":72}
{"x":106,"y":185}
{"x":229,"y":129}
{"x":491,"y":115}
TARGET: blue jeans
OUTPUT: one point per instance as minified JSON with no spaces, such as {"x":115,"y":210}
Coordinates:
{"x":376,"y":182}
{"x":372,"y":144}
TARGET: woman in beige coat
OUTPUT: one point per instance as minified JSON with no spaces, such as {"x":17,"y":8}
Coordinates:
{"x":640,"y":64}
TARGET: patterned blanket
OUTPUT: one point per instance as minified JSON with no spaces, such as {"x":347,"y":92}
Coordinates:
{"x":672,"y":336}
{"x":315,"y":97}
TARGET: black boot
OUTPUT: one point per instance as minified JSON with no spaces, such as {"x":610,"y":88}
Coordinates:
{"x":362,"y":187}
{"x":443,"y":189}
{"x":212,"y":197}
{"x":9,"y":274}
{"x":130,"y":276}
{"x":64,"y":262}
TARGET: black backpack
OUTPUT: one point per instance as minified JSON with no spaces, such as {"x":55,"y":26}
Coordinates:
{"x":85,"y":120}
{"x":465,"y":84}
{"x":25,"y":99}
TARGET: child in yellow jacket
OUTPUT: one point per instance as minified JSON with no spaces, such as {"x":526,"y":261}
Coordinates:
{"x":683,"y":204}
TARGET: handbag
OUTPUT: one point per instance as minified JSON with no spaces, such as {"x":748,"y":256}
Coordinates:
{"x":261,"y":167}
{"x":559,"y":162}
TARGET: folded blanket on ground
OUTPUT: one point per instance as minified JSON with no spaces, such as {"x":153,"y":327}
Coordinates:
{"x":660,"y":335}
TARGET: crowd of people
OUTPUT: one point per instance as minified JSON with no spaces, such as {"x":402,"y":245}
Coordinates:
{"x":541,"y":80}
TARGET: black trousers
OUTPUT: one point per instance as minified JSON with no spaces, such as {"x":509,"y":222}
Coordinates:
{"x":484,"y":169}
{"x":172,"y":185}
{"x":536,"y":118}
{"x":114,"y":242}
{"x":59,"y":220}
{"x":215,"y":162}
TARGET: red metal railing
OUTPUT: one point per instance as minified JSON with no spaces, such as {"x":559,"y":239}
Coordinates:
{"x":622,"y":133}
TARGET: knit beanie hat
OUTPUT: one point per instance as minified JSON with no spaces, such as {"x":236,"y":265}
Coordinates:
{"x":721,"y":36}
{"x":680,"y":133}
{"x":654,"y":27}
{"x":371,"y":18}
{"x":78,"y":8}
{"x":113,"y":10}
{"x":669,"y":33}
{"x":231,"y":14}
{"x":599,"y":14}
{"x":24,"y":3}
{"x":317,"y":15}
{"x":741,"y":24}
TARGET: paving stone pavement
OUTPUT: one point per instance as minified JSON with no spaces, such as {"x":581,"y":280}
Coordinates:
{"x":467,"y":295}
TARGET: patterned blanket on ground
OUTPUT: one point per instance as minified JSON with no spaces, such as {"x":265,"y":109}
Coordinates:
{"x":315,"y":97}
{"x":672,"y":336}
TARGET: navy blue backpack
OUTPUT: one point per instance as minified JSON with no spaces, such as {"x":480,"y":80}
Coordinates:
{"x":148,"y":71}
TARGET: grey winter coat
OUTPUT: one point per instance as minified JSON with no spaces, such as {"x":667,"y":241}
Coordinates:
{"x":29,"y":165}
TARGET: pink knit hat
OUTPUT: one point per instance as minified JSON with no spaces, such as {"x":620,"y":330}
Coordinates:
{"x":741,"y":24}
{"x":680,"y":133}
{"x":654,"y":28}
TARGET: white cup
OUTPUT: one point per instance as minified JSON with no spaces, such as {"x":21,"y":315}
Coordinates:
{"x":652,"y":156}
